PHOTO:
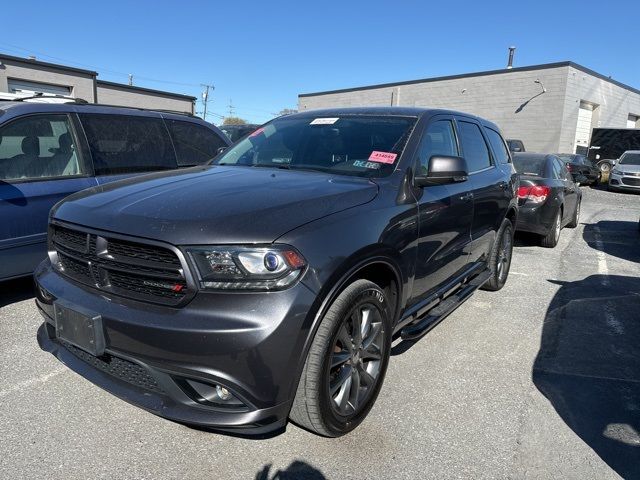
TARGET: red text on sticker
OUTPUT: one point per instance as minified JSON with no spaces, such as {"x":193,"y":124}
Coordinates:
{"x":383,"y":157}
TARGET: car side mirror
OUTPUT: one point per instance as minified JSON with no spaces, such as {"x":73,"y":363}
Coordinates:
{"x":516,"y":149}
{"x":442,"y":170}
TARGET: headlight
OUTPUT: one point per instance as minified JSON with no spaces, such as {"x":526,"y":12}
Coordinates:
{"x":247,"y":268}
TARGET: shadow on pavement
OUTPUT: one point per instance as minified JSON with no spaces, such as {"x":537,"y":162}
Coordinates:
{"x":14,"y":291}
{"x":297,"y":470}
{"x":588,"y":365}
{"x":614,"y":237}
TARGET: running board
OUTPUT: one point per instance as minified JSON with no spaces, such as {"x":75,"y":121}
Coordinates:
{"x":439,"y":312}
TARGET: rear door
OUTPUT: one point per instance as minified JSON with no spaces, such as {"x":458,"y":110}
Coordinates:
{"x":490,"y":186}
{"x":122,"y":146}
{"x":445,"y":214}
{"x":40,"y":164}
{"x":570,"y":190}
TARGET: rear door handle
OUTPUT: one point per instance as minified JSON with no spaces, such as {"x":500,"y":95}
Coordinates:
{"x":467,"y":197}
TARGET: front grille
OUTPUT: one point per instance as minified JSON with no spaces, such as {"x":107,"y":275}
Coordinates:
{"x":118,"y":367}
{"x":122,"y":267}
{"x":634,"y":182}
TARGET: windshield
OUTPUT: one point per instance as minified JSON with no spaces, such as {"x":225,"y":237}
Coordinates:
{"x":357,"y":145}
{"x":529,"y":165}
{"x":630,"y":159}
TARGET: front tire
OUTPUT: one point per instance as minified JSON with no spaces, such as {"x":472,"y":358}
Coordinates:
{"x":346,"y":363}
{"x":500,"y":260}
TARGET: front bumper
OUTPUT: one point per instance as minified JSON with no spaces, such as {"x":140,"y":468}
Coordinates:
{"x":250,"y":343}
{"x":624,"y":182}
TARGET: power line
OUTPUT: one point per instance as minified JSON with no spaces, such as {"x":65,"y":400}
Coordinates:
{"x":94,"y":67}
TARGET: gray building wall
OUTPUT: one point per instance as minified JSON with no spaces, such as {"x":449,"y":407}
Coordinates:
{"x":613,"y":104}
{"x":80,"y":81}
{"x":545,"y":122}
{"x":125,"y":95}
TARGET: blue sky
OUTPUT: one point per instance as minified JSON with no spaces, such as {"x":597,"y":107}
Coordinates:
{"x":261,"y":54}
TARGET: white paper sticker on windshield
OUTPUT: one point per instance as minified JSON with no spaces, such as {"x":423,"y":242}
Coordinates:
{"x":324,"y":121}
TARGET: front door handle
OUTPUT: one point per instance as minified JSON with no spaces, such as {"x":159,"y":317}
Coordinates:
{"x":467,"y":197}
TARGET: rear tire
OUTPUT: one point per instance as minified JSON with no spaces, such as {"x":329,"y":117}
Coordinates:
{"x":344,"y":370}
{"x":551,"y":239}
{"x":500,"y":260}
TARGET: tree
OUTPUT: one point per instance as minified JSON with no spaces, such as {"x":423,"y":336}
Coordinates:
{"x":287,"y":111}
{"x":234,"y":121}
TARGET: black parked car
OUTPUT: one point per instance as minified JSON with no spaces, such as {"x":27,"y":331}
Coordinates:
{"x":582,"y":170}
{"x":270,"y":284}
{"x":548,"y":198}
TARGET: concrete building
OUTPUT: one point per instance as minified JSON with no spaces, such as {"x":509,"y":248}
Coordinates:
{"x":26,"y":75}
{"x":551,"y":107}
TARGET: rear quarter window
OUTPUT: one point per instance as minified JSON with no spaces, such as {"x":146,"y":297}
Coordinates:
{"x":498,"y":146}
{"x":123,"y":144}
{"x":195,"y":144}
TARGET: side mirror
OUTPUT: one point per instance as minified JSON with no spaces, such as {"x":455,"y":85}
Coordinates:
{"x":443,"y":170}
{"x":516,"y":149}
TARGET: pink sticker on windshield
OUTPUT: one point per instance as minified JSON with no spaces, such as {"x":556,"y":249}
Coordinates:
{"x":382,"y":157}
{"x":257,"y":132}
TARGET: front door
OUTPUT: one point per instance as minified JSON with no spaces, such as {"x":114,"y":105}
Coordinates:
{"x":445,"y":213}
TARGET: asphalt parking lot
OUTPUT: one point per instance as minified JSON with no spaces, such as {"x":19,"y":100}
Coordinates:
{"x":539,"y":380}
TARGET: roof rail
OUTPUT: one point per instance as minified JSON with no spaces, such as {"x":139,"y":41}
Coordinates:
{"x":160,"y":110}
{"x":40,"y":96}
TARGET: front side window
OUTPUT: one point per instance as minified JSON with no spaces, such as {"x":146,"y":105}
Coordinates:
{"x":474,"y":147}
{"x":438,"y":139}
{"x":498,"y":145}
{"x":194,"y":144}
{"x":356,"y":145}
{"x":38,"y":146}
{"x":123,"y":144}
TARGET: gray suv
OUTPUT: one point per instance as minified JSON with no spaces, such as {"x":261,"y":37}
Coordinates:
{"x":270,"y":284}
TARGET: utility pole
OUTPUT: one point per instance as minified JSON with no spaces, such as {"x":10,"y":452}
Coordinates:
{"x":231,"y":112}
{"x":205,"y":98}
{"x":131,"y":79}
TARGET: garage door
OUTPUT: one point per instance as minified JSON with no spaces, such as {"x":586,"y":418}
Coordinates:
{"x":24,"y":86}
{"x":583,"y":129}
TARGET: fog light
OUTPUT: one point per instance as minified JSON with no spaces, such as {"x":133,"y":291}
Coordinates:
{"x":223,"y":393}
{"x":209,"y":394}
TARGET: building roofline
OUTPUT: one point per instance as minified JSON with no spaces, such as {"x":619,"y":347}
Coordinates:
{"x":543,"y":66}
{"x":144,"y":89}
{"x":40,"y":63}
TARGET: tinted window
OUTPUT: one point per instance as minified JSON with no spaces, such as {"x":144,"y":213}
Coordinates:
{"x":630,"y":159}
{"x":498,"y":146}
{"x":527,"y":165}
{"x":194,"y":144}
{"x":128,"y":144}
{"x":359,"y":145}
{"x":38,"y":146}
{"x":438,"y":139}
{"x":557,"y":167}
{"x":474,"y":147}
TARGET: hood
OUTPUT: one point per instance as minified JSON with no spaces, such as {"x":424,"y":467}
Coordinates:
{"x":214,"y":204}
{"x":623,"y":167}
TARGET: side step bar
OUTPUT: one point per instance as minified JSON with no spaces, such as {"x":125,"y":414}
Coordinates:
{"x":439,"y":312}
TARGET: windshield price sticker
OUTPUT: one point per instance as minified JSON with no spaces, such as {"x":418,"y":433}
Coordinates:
{"x":324,"y":121}
{"x":257,"y":132}
{"x":383,"y":157}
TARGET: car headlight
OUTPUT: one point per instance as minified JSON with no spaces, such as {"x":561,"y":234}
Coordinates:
{"x":227,"y":267}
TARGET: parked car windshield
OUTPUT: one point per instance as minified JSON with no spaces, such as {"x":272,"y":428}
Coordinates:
{"x":357,"y":145}
{"x":630,"y":159}
{"x":526,"y":165}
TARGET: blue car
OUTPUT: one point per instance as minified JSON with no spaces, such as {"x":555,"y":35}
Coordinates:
{"x":49,"y":151}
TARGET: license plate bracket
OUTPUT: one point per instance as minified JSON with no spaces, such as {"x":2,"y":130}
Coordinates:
{"x":80,"y":328}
